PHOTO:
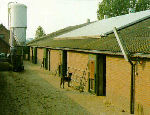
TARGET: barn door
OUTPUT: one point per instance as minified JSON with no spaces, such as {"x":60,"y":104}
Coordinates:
{"x":101,"y":75}
{"x":64,"y":62}
{"x":92,"y":74}
{"x":49,"y":60}
{"x":35,"y":55}
{"x":28,"y":53}
{"x":45,"y":58}
{"x":32,"y":54}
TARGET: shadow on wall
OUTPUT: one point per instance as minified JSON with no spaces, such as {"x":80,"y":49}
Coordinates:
{"x":140,"y":110}
{"x":143,"y":64}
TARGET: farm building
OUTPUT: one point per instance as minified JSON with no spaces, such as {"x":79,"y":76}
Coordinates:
{"x":92,"y":54}
{"x":4,"y":39}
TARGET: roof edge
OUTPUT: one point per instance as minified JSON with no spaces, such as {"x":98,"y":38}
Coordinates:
{"x":130,"y":24}
{"x":78,"y":37}
{"x":58,"y":32}
{"x":135,"y":55}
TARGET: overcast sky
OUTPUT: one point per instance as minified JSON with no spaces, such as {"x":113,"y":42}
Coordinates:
{"x":53,"y":15}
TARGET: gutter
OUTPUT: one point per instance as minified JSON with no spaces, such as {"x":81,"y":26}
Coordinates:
{"x":136,"y":55}
{"x":127,"y":57}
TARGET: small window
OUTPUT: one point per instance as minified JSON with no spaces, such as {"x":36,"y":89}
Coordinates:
{"x":2,"y":36}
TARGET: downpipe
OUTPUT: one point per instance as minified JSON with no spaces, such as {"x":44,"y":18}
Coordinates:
{"x":127,"y":57}
{"x":132,"y":88}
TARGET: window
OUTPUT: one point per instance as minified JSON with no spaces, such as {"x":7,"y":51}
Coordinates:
{"x":2,"y":36}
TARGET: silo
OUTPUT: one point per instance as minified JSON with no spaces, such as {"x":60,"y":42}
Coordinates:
{"x":18,"y":22}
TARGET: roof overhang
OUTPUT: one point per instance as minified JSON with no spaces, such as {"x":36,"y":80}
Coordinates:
{"x":140,"y":55}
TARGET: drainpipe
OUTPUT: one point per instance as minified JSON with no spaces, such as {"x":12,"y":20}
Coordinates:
{"x":132,"y":89}
{"x":128,"y":58}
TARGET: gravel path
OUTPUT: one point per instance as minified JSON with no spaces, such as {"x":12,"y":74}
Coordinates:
{"x":37,"y":92}
{"x":26,"y":93}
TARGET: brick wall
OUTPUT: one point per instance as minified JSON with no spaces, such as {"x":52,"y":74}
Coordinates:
{"x":6,"y":34}
{"x":55,"y":60}
{"x":40,"y":52}
{"x":118,"y":75}
{"x":4,"y":47}
{"x":142,"y":88}
{"x":78,"y":63}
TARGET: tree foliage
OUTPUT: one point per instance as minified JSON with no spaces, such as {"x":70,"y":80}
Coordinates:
{"x":39,"y":32}
{"x":113,"y":8}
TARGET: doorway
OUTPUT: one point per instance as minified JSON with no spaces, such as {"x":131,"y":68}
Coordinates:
{"x":101,"y":75}
{"x":49,"y":61}
{"x":92,"y":75}
{"x":64,"y":63}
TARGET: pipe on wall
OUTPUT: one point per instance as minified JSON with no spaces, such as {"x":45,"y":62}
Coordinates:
{"x":127,"y":57}
{"x":132,"y":88}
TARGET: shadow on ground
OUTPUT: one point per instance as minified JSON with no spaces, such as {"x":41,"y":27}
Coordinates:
{"x":5,"y":66}
{"x":26,"y":93}
{"x":7,"y":103}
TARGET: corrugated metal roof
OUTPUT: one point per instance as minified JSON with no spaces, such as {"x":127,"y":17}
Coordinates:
{"x":106,"y":26}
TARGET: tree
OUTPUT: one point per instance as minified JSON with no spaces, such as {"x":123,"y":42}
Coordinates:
{"x":39,"y":32}
{"x":142,"y":5}
{"x":113,"y":8}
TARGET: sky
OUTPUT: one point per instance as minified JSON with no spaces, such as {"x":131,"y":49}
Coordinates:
{"x":53,"y":15}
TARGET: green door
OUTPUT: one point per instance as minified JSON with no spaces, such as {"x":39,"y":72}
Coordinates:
{"x":45,"y":58}
{"x":35,"y":55}
{"x":64,"y":63}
